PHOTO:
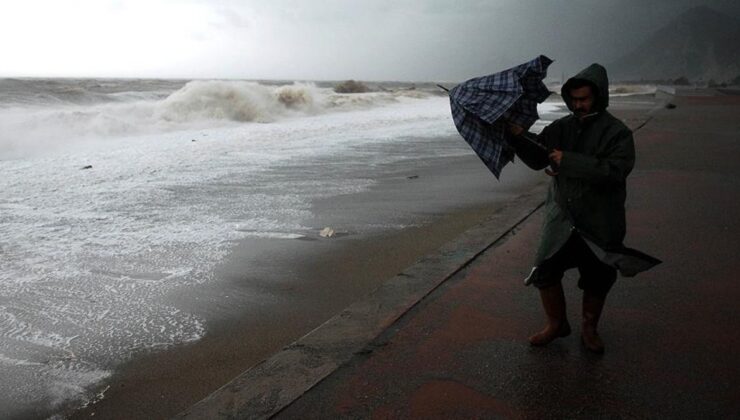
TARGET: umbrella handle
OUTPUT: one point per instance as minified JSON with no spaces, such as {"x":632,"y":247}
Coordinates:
{"x":526,"y":136}
{"x":443,"y":88}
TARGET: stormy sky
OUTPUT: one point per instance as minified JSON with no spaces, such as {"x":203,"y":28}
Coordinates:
{"x":442,"y":40}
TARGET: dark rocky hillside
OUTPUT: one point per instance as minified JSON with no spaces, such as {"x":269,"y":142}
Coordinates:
{"x":701,"y":44}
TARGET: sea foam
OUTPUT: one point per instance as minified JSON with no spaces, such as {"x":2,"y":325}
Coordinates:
{"x":33,"y":128}
{"x":237,"y":101}
{"x":92,"y":258}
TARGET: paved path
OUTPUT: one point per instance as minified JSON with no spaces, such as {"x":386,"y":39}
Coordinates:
{"x":448,"y":336}
{"x":672,"y":334}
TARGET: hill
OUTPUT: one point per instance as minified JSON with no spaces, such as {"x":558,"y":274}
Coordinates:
{"x":701,"y":44}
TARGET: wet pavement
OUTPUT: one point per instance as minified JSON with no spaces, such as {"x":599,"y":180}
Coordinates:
{"x":459,"y":348}
{"x":672,"y":334}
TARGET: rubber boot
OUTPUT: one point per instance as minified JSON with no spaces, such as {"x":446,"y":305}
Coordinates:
{"x":553,"y":301}
{"x":592,"y":307}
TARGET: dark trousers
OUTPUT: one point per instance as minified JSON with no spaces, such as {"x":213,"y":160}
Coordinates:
{"x":596,"y":278}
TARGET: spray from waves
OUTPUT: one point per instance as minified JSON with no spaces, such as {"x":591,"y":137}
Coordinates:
{"x":237,"y":101}
{"x":252,"y":102}
{"x":147,"y":108}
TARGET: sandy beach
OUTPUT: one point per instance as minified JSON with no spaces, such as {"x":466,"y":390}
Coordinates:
{"x":299,"y":284}
{"x":153,"y":234}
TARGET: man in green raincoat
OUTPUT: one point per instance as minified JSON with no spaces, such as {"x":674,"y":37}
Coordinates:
{"x":590,"y":155}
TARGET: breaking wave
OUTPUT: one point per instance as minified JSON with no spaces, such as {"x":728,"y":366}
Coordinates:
{"x":253,"y":102}
{"x":64,"y":114}
{"x":236,"y":101}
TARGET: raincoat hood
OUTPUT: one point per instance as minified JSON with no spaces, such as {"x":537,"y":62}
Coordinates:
{"x":595,"y":75}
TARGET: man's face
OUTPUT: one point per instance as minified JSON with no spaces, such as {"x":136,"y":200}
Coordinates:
{"x":582,"y":101}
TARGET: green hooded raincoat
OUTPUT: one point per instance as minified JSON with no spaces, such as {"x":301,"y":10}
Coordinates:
{"x":589,"y":193}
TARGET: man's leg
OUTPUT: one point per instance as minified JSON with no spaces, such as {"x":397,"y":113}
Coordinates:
{"x":553,"y":301}
{"x":549,"y":282}
{"x":596,"y":280}
{"x":593,"y":305}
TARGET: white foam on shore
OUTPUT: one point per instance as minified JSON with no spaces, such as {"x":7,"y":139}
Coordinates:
{"x":89,"y":258}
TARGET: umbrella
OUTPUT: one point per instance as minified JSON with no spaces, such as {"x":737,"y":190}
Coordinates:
{"x":481,"y":108}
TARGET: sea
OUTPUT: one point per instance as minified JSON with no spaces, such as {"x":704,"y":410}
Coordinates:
{"x":117,"y":193}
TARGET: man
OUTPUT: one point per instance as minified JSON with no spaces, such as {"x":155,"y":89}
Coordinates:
{"x":590,"y":155}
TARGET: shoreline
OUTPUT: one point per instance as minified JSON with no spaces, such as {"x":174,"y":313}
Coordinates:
{"x":299,"y":284}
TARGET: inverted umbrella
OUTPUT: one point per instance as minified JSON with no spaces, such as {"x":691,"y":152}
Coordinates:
{"x":482,"y":107}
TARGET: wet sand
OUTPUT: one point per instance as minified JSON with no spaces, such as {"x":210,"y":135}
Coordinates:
{"x":273,"y":291}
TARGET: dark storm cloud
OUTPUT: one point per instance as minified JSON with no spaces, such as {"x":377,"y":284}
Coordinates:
{"x":326,"y":39}
{"x":573,"y":32}
{"x":454,"y":40}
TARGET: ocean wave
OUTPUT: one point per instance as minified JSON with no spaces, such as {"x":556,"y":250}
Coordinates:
{"x":253,"y":102}
{"x":236,"y":101}
{"x":153,"y":109}
{"x":40,"y":93}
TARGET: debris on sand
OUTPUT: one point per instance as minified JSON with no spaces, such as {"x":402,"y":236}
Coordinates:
{"x":327,"y":232}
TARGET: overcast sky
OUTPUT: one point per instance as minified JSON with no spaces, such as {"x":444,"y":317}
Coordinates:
{"x":417,"y":40}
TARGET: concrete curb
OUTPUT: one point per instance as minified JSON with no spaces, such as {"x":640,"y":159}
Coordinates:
{"x":268,"y":387}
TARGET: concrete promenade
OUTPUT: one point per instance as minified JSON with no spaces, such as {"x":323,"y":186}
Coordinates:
{"x":457,"y":347}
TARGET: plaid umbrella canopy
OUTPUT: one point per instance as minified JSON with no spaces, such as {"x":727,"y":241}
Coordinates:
{"x":482,"y":106}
